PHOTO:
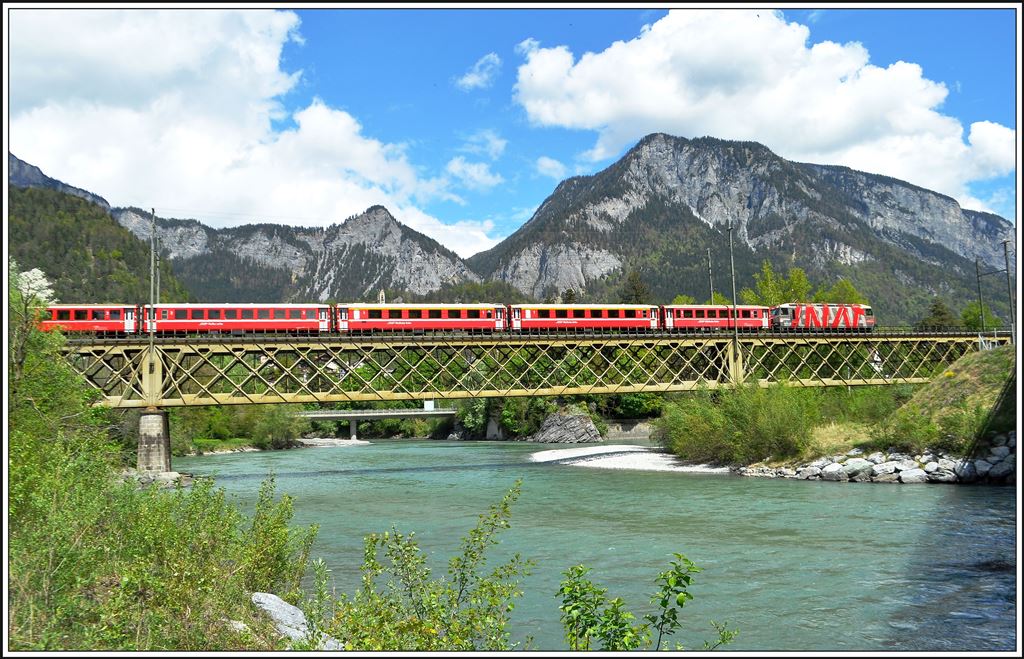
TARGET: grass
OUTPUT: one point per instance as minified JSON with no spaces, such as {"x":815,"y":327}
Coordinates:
{"x":201,"y":446}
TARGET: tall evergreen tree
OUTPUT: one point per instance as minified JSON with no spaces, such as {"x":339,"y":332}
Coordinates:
{"x":938,"y":315}
{"x":634,"y":290}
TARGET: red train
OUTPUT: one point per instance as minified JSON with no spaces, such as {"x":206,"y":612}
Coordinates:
{"x":357,"y":318}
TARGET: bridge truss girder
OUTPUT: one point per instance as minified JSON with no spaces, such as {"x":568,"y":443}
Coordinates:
{"x":225,"y":371}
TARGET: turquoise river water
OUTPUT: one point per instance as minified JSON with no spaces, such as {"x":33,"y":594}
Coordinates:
{"x":794,"y":565}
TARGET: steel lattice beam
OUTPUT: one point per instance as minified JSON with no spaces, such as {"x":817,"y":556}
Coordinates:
{"x":215,"y":371}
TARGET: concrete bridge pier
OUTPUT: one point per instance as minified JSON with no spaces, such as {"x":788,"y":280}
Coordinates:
{"x":154,"y":441}
{"x":352,"y":428}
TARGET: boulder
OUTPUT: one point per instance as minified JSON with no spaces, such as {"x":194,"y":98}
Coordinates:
{"x":913,"y":476}
{"x":942,"y":476}
{"x":884,"y":468}
{"x":930,"y":467}
{"x":855,"y":466}
{"x":1000,"y":451}
{"x":1001,"y":470}
{"x":877,"y":457}
{"x":833,"y":472}
{"x":982,"y":467}
{"x":890,"y":477}
{"x":290,"y":621}
{"x":562,"y":428}
{"x":808,"y":472}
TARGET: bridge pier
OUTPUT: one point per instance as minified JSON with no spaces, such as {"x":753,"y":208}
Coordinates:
{"x":154,"y":452}
{"x":352,"y":423}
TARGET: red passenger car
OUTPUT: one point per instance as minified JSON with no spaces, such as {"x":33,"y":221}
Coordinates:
{"x":357,"y":317}
{"x":238,"y":318}
{"x":573,"y":317}
{"x":708,"y":317}
{"x":822,"y":317}
{"x":92,"y":318}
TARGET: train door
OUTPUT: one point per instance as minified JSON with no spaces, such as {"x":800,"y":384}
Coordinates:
{"x":129,"y":321}
{"x":517,"y":321}
{"x":342,"y":319}
{"x":324,"y":319}
{"x":499,"y":318}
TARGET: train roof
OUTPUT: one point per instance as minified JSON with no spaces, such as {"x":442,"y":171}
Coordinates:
{"x":849,"y":304}
{"x":599,"y":305}
{"x":715,"y":306}
{"x":423,"y":305}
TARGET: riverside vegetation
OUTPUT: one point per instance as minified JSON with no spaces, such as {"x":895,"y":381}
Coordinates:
{"x":96,"y":562}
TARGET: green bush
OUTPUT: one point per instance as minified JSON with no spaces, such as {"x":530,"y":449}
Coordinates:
{"x":742,"y":425}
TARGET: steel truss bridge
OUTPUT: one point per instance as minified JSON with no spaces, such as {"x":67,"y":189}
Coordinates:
{"x":223,"y":370}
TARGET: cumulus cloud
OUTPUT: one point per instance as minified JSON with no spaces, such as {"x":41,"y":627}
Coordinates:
{"x":474,"y":175}
{"x":482,"y":74}
{"x":550,"y":167}
{"x":485,"y":142}
{"x":173,"y":110}
{"x":750,"y":75}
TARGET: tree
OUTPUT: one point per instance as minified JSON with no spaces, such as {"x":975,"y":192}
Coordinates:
{"x":972,"y":318}
{"x":718,"y":298}
{"x":569,"y":296}
{"x":938,"y":315}
{"x":683,"y":299}
{"x":634,"y":290}
{"x":842,"y":292}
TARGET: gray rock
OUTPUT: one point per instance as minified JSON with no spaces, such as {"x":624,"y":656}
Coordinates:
{"x":1001,"y":470}
{"x":560,"y":428}
{"x":820,"y":463}
{"x":942,"y":476}
{"x":913,"y":476}
{"x":945,"y":464}
{"x":877,"y":457}
{"x":855,"y":466}
{"x":930,"y":467}
{"x":884,"y":468}
{"x":290,"y":621}
{"x":890,"y":477}
{"x":785,"y":472}
{"x":833,"y":472}
{"x":1000,"y":451}
{"x":967,"y":472}
{"x":982,"y":467}
{"x":1012,"y":439}
{"x":855,"y":451}
{"x":809,"y":472}
{"x":904,"y":465}
{"x":999,"y":440}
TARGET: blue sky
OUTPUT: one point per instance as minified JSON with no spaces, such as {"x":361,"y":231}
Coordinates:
{"x":461,"y":122}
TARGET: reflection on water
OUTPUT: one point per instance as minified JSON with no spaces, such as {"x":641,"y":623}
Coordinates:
{"x":794,"y":566}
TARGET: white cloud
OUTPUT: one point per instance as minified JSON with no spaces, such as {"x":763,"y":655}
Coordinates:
{"x":482,"y":74}
{"x":486,"y":142}
{"x":474,"y":175}
{"x":749,"y":75}
{"x":173,"y":110}
{"x":550,"y":167}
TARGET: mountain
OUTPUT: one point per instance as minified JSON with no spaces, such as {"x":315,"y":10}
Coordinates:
{"x":663,"y":205}
{"x":84,"y":253}
{"x":24,"y":175}
{"x":366,"y":253}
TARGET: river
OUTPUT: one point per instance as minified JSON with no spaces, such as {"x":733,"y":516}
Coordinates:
{"x":794,"y":565}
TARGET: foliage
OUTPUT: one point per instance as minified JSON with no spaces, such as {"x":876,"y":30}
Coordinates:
{"x":82,"y":249}
{"x":842,"y":292}
{"x":638,"y":405}
{"x":466,"y":610}
{"x":683,"y":299}
{"x":569,"y":296}
{"x":742,"y":425}
{"x":96,"y":563}
{"x":975,"y":316}
{"x":592,"y":621}
{"x":718,"y":299}
{"x":634,"y":290}
{"x":277,"y":427}
{"x":773,"y":289}
{"x":938,"y":315}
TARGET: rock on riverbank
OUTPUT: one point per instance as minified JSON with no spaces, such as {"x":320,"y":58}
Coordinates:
{"x":566,"y":429}
{"x":994,"y":462}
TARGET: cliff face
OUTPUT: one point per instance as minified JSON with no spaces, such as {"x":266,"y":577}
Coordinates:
{"x":666,"y":202}
{"x":364,"y":254}
{"x":23,"y":175}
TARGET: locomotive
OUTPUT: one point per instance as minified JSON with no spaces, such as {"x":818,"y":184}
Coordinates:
{"x":356,"y":318}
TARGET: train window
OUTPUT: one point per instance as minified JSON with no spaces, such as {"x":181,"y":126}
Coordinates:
{"x":376,"y":314}
{"x":490,"y":313}
{"x":561,"y":313}
{"x":248,"y":314}
{"x":231,"y":314}
{"x":63,"y":314}
{"x":501,"y":314}
{"x":214,"y":314}
{"x":613,"y":313}
{"x":596,"y":313}
{"x":434,"y":313}
{"x":544,"y":313}
{"x":198,"y":314}
{"x":115,"y":314}
{"x":163,"y":314}
{"x":868,"y":311}
{"x":630,"y":313}
{"x":180,"y":314}
{"x":394,"y":313}
{"x":473,"y":313}
{"x":687,"y":313}
{"x":454,"y":313}
{"x":645,"y":313}
{"x":295,"y":314}
{"x":579,"y":313}
{"x":81,"y":314}
{"x":415,"y":313}
{"x":97,"y":314}
{"x":263,"y":314}
{"x":744,"y":313}
{"x":279,"y":314}
{"x":698,"y":313}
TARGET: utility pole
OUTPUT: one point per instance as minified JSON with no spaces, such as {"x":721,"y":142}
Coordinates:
{"x":710,"y":282}
{"x":1009,"y":290}
{"x":732,"y":266}
{"x":981,"y":300}
{"x":158,"y":270}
